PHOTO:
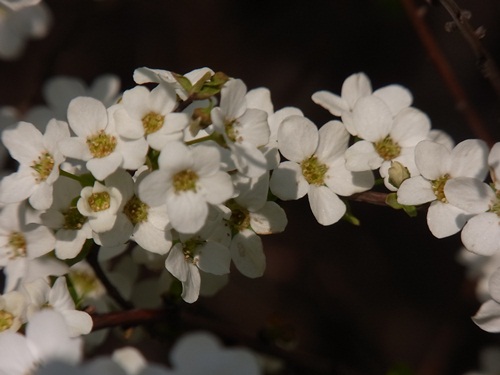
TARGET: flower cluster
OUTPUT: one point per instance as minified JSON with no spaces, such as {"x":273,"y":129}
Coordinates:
{"x":180,"y":175}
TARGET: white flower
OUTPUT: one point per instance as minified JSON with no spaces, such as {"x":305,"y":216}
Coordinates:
{"x":148,"y":226}
{"x":147,"y":75}
{"x":243,"y":129}
{"x":18,"y":4}
{"x":60,"y":90}
{"x":17,"y":24}
{"x":20,"y":243}
{"x":12,"y":311}
{"x":316,"y":167}
{"x":57,"y":297}
{"x":71,"y":228}
{"x":100,"y":204}
{"x":274,"y":120}
{"x":210,"y":358}
{"x":252,"y":214}
{"x":46,"y":339}
{"x":385,"y":138}
{"x":481,"y":234}
{"x":451,"y":180}
{"x":97,"y":142}
{"x":207,"y":251}
{"x":188,"y":182}
{"x":144,"y":113}
{"x":358,"y":86}
{"x":39,"y":159}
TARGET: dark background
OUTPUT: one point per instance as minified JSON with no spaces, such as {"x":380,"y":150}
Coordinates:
{"x":362,"y":299}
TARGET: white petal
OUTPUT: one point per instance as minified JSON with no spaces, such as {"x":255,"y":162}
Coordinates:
{"x":494,"y":285}
{"x":24,"y":142}
{"x":445,"y":219}
{"x":372,"y":118}
{"x":269,"y":219}
{"x":188,"y":211}
{"x":469,"y":159}
{"x":260,"y":98}
{"x":48,"y":331}
{"x":433,"y":160}
{"x":469,"y":194}
{"x":297,"y":138}
{"x":86,"y":116}
{"x":410,"y":127}
{"x":233,"y":102}
{"x":362,"y":156}
{"x":249,"y":159}
{"x":176,"y":263}
{"x":415,"y":190}
{"x":481,"y":234}
{"x":153,"y":239}
{"x":354,"y":87}
{"x":214,"y":258}
{"x":344,"y":182}
{"x":333,"y":139}
{"x":333,"y":103}
{"x":103,"y":167}
{"x":248,"y":255}
{"x":325,"y":205}
{"x":395,"y":96}
{"x":488,"y":316}
{"x":152,"y":190}
{"x":287,"y":181}
{"x":217,"y":188}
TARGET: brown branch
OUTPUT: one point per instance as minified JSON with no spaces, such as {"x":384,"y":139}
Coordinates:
{"x":444,"y":69}
{"x":372,"y":197}
{"x":486,"y":63}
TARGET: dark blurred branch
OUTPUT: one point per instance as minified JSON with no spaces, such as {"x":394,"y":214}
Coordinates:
{"x":444,"y":69}
{"x":92,"y":259}
{"x":304,"y":363}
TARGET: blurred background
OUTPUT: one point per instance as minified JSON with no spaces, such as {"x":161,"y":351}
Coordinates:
{"x":384,"y":296}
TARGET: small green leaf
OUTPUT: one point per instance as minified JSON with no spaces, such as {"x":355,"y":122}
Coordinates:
{"x":392,"y":201}
{"x":183,"y":81}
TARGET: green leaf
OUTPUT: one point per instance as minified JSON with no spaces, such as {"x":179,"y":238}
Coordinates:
{"x":392,"y":201}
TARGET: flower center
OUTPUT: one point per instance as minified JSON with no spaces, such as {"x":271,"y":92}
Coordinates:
{"x":314,"y":171}
{"x":43,"y":166}
{"x":17,"y":243}
{"x":189,"y":249}
{"x":73,"y":219}
{"x":99,"y":201}
{"x":495,"y":206}
{"x":136,"y":210}
{"x":101,"y":144}
{"x":387,"y":148}
{"x":6,"y":320}
{"x":83,"y":282}
{"x":240,"y":216}
{"x":438,"y":187}
{"x":231,"y":132}
{"x":152,"y":122}
{"x":185,"y":180}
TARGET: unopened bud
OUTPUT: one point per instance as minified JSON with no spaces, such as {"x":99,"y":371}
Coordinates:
{"x":398,"y":173}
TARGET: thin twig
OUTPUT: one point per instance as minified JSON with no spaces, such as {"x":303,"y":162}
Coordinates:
{"x":486,"y":63}
{"x":373,"y":197}
{"x":110,"y":288}
{"x":445,"y":70}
